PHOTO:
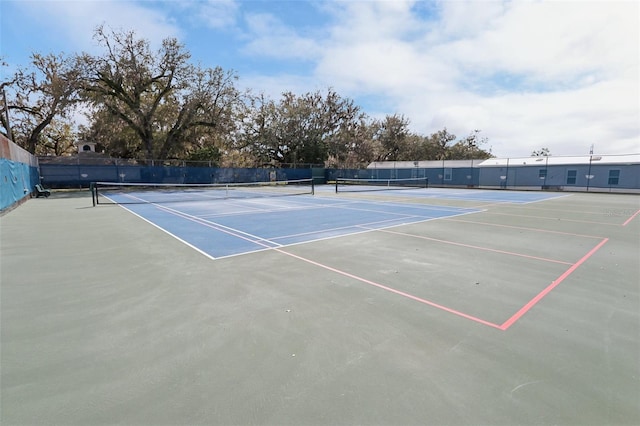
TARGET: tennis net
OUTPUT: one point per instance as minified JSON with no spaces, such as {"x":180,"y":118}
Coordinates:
{"x":141,"y":193}
{"x":351,"y":185}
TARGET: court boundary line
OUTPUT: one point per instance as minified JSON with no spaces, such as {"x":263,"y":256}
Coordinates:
{"x":393,"y":213}
{"x":502,"y":327}
{"x":261,"y":241}
{"x":284,"y":246}
{"x":361,"y":231}
{"x":366,"y":227}
{"x":281,"y":249}
{"x":626,"y":222}
{"x":394,"y":202}
{"x":298,"y":205}
{"x":463,"y":196}
{"x":550,"y":231}
{"x":389,"y":289}
{"x":506,"y":203}
{"x":529,"y":305}
{"x":169,"y":233}
{"x":359,"y":225}
{"x":549,"y":197}
{"x":271,"y":243}
{"x":331,"y":205}
{"x":222,"y":228}
{"x":509,"y":253}
{"x":553,"y":218}
{"x":554,"y":210}
{"x":258,"y":210}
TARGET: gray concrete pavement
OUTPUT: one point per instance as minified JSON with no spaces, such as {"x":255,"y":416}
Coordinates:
{"x":107,"y":320}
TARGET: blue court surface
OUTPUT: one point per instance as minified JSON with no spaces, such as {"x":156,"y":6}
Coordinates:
{"x":491,"y":196}
{"x":222,"y":228}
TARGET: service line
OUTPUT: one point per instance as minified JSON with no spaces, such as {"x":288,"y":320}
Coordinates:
{"x":510,"y":253}
{"x":389,"y":289}
{"x":508,"y":323}
{"x":631,"y":218}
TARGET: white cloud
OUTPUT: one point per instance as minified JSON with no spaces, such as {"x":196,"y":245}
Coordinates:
{"x":379,"y":47}
{"x":269,"y":36}
{"x":217,"y":13}
{"x":77,"y":20}
{"x":552,"y":40}
{"x":372,"y":21}
{"x":528,"y":74}
{"x":213,"y":14}
{"x":465,"y":19}
{"x":274,"y":86}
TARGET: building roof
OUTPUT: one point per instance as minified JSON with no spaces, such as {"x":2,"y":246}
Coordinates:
{"x":503,"y":162}
{"x":556,"y":161}
{"x":423,"y":164}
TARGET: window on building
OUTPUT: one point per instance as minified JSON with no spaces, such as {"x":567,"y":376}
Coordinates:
{"x":571,"y":177}
{"x":542,"y":173}
{"x":614,"y":177}
{"x":447,"y":174}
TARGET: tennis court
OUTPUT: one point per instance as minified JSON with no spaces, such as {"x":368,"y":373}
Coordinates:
{"x":394,"y":306}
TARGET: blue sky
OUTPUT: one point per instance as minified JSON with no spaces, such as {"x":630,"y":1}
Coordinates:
{"x":528,"y":74}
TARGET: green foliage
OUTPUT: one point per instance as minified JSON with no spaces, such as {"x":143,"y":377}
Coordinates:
{"x":469,"y":148}
{"x":392,"y":135}
{"x":209,"y":156}
{"x":57,"y":139}
{"x":42,"y":98}
{"x":157,"y":105}
{"x":300,"y":129}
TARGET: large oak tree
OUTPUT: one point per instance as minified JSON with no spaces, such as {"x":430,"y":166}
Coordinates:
{"x":41,"y":100}
{"x":161,"y":97}
{"x":146,"y":105}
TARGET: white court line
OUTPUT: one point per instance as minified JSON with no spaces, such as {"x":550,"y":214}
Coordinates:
{"x":270,"y":244}
{"x":222,"y":228}
{"x":357,"y":225}
{"x":363,"y":231}
{"x":258,"y":210}
{"x":188,"y":244}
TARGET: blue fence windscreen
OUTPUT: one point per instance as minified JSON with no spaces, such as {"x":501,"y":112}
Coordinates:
{"x":73,"y":175}
{"x":17,"y":181}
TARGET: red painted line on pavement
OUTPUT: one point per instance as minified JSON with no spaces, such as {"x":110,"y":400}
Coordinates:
{"x":549,"y":231}
{"x":503,"y":327}
{"x":553,"y":218}
{"x":508,"y":323}
{"x":389,"y":289}
{"x":631,"y":218}
{"x":510,"y":253}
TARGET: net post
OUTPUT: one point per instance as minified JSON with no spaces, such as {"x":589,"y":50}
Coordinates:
{"x":313,"y":187}
{"x":336,"y":185}
{"x":92,"y":188}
